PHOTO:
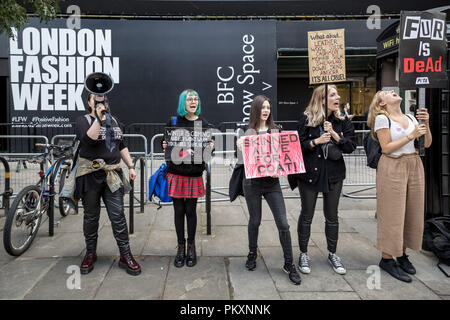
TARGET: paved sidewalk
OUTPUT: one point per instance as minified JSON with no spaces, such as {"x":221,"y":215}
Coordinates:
{"x":42,"y":272}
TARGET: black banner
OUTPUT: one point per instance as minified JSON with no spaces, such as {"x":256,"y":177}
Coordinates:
{"x":151,"y":62}
{"x":423,"y":50}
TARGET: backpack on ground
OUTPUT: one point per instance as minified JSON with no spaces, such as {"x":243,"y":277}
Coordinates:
{"x":436,"y":238}
{"x":158,"y":186}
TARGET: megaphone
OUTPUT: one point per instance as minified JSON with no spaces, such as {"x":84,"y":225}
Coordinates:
{"x":99,"y":83}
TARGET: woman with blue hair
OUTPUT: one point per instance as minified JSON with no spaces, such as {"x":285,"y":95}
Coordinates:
{"x":185,"y":180}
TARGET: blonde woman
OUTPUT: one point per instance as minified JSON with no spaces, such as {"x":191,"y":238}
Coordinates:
{"x":400,"y":182}
{"x":325,"y":170}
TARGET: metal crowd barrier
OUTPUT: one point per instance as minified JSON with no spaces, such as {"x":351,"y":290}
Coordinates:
{"x":29,"y":175}
{"x":7,"y":193}
{"x":360,"y":178}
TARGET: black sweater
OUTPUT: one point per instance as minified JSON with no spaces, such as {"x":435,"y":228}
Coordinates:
{"x":96,"y":149}
{"x":313,"y":157}
{"x":184,"y":169}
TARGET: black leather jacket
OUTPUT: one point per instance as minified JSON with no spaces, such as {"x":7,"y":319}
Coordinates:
{"x":313,"y":156}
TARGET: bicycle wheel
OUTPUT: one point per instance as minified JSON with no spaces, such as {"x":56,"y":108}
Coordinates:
{"x":63,"y":203}
{"x":23,"y":220}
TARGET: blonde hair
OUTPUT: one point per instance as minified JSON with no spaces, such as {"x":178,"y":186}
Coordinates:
{"x":315,"y":110}
{"x":374,"y":110}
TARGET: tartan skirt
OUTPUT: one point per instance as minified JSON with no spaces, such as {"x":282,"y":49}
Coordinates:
{"x":185,"y":187}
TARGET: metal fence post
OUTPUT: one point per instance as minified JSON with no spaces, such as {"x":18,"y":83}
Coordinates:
{"x":51,"y":203}
{"x":143,"y":181}
{"x":8,"y":192}
{"x":208,"y":198}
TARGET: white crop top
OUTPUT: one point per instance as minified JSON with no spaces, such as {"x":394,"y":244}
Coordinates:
{"x":397,"y":132}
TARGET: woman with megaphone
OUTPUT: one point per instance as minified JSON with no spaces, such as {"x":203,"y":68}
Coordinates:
{"x":99,"y":175}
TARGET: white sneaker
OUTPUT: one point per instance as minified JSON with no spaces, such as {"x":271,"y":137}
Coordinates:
{"x":303,"y":263}
{"x":336,"y":263}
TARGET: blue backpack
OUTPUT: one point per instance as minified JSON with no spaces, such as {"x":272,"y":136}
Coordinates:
{"x":159,"y":186}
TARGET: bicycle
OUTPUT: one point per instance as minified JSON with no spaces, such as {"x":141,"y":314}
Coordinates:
{"x":25,"y":214}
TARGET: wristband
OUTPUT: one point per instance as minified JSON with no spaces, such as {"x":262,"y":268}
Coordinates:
{"x":313,"y":143}
{"x":131,"y":167}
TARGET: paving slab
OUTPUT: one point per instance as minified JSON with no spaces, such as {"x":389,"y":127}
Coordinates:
{"x":164,"y":243}
{"x":356,"y":252}
{"x":231,"y":215}
{"x":59,"y":282}
{"x":390,"y":288}
{"x":118,"y":285}
{"x":107,"y":245}
{"x":227,"y":241}
{"x":429,"y":273}
{"x":251,"y":285}
{"x":18,"y":277}
{"x":269,"y":237}
{"x":321,"y":279}
{"x":205,"y":281}
{"x":367,"y":228}
{"x":320,"y":296}
{"x":164,"y":219}
{"x":62,"y":244}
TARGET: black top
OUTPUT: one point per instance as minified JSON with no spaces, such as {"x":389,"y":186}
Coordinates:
{"x":96,"y":149}
{"x":185,"y":169}
{"x":320,"y":172}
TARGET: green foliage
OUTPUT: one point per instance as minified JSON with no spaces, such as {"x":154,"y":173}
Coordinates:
{"x":14,"y":15}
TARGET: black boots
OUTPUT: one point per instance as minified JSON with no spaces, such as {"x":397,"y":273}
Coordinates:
{"x":251,"y":261}
{"x":391,"y":267}
{"x":181,"y":255}
{"x":191,"y":255}
{"x":405,"y":264}
{"x":294,"y":276}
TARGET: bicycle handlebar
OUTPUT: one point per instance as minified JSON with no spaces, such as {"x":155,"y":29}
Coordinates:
{"x":53,"y":146}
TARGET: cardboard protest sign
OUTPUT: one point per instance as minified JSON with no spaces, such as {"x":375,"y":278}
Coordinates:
{"x":266,"y":155}
{"x":187,"y":145}
{"x":423,"y":50}
{"x":326,"y":53}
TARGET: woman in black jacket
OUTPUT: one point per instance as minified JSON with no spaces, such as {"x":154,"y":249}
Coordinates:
{"x":186,"y":181}
{"x":323,"y":141}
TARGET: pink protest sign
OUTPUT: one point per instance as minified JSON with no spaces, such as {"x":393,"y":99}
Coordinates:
{"x":267,"y":155}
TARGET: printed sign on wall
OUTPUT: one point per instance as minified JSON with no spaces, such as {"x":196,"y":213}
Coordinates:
{"x":267,"y":155}
{"x":326,"y":53}
{"x":423,"y":50}
{"x":151,"y":63}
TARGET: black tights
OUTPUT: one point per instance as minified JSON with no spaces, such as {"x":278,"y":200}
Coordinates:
{"x":185,"y":207}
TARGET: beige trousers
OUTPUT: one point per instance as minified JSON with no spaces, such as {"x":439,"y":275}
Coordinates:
{"x":400,"y":203}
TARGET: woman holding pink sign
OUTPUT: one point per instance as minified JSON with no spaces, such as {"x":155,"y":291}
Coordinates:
{"x":261,"y":122}
{"x":323,"y":140}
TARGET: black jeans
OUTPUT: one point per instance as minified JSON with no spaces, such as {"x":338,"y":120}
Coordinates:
{"x":185,"y":208}
{"x":115,"y":209}
{"x":254,"y":190}
{"x":330,"y":209}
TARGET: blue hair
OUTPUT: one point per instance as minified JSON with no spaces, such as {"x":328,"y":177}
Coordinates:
{"x":182,"y":103}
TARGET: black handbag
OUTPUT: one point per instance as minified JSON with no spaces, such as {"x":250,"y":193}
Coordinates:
{"x":331,"y":151}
